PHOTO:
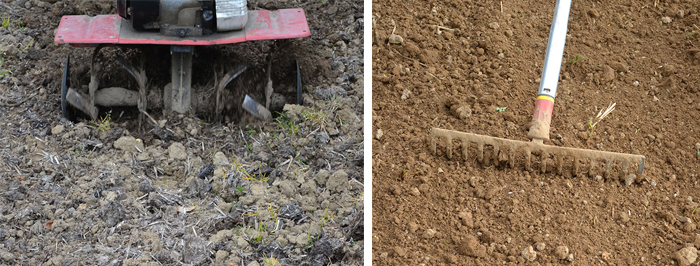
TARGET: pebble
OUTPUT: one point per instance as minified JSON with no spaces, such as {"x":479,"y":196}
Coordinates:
{"x":541,"y":246}
{"x":666,"y":20}
{"x":429,"y":233}
{"x":379,"y":135}
{"x":529,"y":254}
{"x":406,"y":94}
{"x":395,"y":39}
{"x":686,"y":256}
{"x":57,"y":130}
{"x":656,"y":99}
{"x":415,"y":191}
{"x":494,"y":25}
{"x":624,"y":217}
{"x":562,"y":252}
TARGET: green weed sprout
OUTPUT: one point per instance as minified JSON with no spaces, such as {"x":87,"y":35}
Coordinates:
{"x":501,"y":109}
{"x":576,"y":59}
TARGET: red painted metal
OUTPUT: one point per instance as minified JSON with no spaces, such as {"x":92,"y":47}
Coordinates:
{"x":83,"y":31}
{"x":88,"y":31}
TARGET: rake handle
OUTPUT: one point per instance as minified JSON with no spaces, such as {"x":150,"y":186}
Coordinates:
{"x":542,"y":117}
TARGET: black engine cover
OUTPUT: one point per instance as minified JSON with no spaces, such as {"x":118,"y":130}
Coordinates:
{"x":143,"y":14}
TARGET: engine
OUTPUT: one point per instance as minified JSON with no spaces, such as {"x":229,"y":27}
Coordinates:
{"x":185,"y":18}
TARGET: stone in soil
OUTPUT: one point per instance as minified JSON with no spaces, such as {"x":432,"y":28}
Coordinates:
{"x":529,"y":254}
{"x":57,"y":130}
{"x":686,"y":256}
{"x":562,"y":252}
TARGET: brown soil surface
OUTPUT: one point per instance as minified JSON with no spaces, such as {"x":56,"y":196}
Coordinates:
{"x":187,"y":191}
{"x":429,"y":210}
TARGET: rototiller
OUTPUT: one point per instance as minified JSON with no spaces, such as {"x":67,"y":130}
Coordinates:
{"x":181,"y":24}
{"x":539,"y":129}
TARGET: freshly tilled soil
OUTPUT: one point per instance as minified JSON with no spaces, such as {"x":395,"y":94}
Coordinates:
{"x":183,"y":189}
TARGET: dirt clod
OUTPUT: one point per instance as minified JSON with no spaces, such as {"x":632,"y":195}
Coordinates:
{"x":561,"y":252}
{"x":686,"y":256}
{"x":540,"y":246}
{"x":58,"y":129}
{"x":429,"y":233}
{"x":529,"y":254}
{"x":129,"y":143}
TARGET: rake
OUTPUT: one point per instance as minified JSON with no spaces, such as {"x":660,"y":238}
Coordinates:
{"x":505,"y":149}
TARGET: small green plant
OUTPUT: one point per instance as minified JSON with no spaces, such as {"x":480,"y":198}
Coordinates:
{"x":287,"y":124}
{"x":239,"y":189}
{"x":6,"y":22}
{"x":257,"y":239}
{"x":501,"y":109}
{"x":250,"y":130}
{"x":576,"y":59}
{"x":102,"y":123}
{"x":3,"y":72}
{"x":309,"y":241}
{"x":314,"y":115}
{"x":28,"y":45}
{"x":601,"y":114}
{"x":271,"y":261}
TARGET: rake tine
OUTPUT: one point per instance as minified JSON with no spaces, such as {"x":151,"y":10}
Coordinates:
{"x":608,"y":165}
{"x":574,"y":167}
{"x":449,"y":147}
{"x":496,"y":149}
{"x":623,"y":174}
{"x":528,"y":156}
{"x":560,"y":164}
{"x":591,"y":169}
{"x":480,"y":153}
{"x":543,"y":168}
{"x":641,"y":168}
{"x":511,"y":158}
{"x":465,"y":149}
{"x":433,"y":145}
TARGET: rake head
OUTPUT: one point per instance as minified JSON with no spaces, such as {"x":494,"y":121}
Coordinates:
{"x":505,"y":150}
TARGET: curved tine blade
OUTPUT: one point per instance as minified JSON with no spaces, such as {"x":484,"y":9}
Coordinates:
{"x":511,"y":158}
{"x":543,"y":167}
{"x":122,"y":61}
{"x":480,"y":152}
{"x":574,"y":167}
{"x":560,"y":164}
{"x":235,"y":73}
{"x":449,"y":147}
{"x":591,"y":168}
{"x":496,"y":149}
{"x":465,"y":149}
{"x":433,"y":143}
{"x":608,"y":166}
{"x":528,"y":163}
